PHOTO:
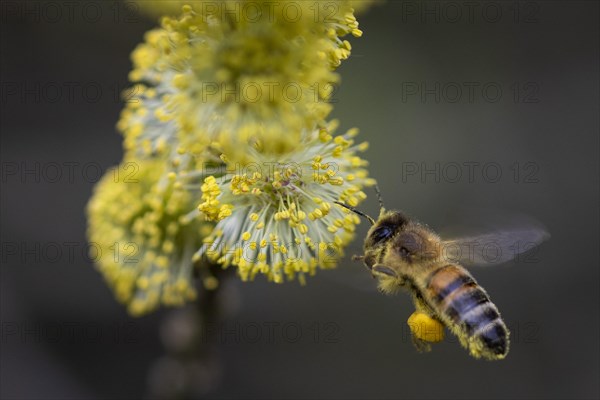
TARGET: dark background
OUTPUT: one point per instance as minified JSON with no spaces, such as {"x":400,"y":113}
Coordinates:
{"x":543,"y":55}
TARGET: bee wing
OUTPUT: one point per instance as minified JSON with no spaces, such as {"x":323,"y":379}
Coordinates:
{"x":493,"y":248}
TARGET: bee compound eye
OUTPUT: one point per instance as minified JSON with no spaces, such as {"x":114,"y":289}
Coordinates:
{"x":382,"y":233}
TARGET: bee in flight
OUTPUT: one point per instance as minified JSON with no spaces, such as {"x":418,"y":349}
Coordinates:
{"x":401,"y":253}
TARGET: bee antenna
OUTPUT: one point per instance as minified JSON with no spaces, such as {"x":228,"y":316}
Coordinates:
{"x":379,"y":196}
{"x":354,"y":210}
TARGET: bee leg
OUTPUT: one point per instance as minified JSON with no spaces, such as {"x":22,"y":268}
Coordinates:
{"x":357,"y":258}
{"x":382,"y":269}
{"x":421,"y":345}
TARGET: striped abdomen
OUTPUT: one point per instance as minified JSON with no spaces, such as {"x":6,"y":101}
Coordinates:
{"x":468,"y":311}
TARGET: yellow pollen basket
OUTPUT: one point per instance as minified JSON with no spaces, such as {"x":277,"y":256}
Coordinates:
{"x":426,"y":328}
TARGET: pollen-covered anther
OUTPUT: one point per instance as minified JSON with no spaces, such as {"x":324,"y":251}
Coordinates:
{"x":285,"y":225}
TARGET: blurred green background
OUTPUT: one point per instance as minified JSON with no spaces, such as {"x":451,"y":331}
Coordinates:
{"x":507,"y":88}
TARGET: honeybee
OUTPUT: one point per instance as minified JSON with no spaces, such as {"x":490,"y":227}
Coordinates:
{"x":402,"y":253}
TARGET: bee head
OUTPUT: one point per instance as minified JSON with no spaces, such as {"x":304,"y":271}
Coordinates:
{"x":410,"y":240}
